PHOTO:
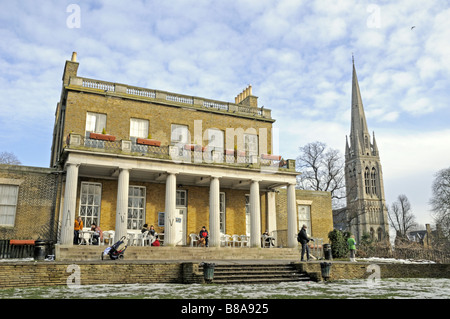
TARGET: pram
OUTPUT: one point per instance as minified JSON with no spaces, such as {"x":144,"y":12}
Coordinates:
{"x":116,"y":250}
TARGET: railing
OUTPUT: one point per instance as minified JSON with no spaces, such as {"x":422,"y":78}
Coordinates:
{"x":178,"y":153}
{"x":9,"y":251}
{"x":178,"y":98}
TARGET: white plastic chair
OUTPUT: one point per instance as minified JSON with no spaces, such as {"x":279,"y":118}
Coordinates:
{"x":139,"y":239}
{"x":194,"y":239}
{"x":224,"y":240}
{"x":235,"y":240}
{"x":245,"y":241}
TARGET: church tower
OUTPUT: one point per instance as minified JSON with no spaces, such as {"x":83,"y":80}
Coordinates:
{"x":366,"y":206}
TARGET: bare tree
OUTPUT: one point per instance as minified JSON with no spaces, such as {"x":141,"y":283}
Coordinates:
{"x":401,"y":217}
{"x":440,"y":200}
{"x":9,"y":158}
{"x":321,"y":169}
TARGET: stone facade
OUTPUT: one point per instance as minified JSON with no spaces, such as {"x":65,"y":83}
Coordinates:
{"x":320,"y":212}
{"x":37,"y":202}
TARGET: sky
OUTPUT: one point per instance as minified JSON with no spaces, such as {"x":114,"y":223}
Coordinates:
{"x":296,"y":54}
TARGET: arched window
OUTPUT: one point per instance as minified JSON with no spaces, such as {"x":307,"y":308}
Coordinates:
{"x":367,"y":180}
{"x":380,"y":234}
{"x":373,"y":177}
{"x":372,"y":234}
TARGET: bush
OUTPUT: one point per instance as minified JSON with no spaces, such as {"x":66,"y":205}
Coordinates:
{"x":339,"y":246}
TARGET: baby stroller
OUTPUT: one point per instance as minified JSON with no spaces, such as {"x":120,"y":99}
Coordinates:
{"x":116,"y":250}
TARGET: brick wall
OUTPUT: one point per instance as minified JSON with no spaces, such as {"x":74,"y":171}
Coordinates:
{"x":119,"y":111}
{"x":321,"y":213}
{"x":35,"y":213}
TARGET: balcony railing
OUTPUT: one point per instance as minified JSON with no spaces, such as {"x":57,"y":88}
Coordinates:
{"x":190,"y":101}
{"x":180,"y":153}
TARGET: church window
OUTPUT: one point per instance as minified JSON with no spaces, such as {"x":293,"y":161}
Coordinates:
{"x":373,"y":177}
{"x":367,"y":180}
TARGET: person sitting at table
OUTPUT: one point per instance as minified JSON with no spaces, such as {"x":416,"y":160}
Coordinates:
{"x":152,"y":231}
{"x":98,"y":234}
{"x":204,"y":236}
{"x":268,"y":238}
{"x":144,"y":228}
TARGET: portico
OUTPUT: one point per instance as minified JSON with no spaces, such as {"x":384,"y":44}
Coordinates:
{"x":125,"y":170}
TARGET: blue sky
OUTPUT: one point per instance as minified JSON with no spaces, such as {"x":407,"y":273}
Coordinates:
{"x":297,"y":55}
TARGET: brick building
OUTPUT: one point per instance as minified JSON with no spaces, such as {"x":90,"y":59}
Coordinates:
{"x":133,"y":156}
{"x":28,"y":202}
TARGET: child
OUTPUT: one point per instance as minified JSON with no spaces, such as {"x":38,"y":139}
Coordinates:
{"x":352,"y":246}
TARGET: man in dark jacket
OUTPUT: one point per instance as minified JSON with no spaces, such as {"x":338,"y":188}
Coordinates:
{"x":204,"y":236}
{"x":303,"y":239}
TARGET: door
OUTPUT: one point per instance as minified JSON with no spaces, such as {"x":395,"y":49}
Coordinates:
{"x":180,"y":226}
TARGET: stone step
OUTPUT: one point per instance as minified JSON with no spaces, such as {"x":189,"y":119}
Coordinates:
{"x":257,"y":273}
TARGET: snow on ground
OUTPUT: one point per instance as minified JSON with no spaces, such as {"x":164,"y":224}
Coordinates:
{"x":418,"y":288}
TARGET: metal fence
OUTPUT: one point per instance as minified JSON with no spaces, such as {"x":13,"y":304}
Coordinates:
{"x":9,"y":251}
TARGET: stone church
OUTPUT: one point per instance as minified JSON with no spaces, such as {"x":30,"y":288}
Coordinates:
{"x":366,"y":211}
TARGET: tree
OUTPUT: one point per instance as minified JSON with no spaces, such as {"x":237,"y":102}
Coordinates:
{"x":440,"y":200}
{"x":9,"y":158}
{"x":401,"y":217}
{"x":321,"y":169}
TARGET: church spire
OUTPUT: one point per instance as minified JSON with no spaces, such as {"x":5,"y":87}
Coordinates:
{"x":359,"y":132}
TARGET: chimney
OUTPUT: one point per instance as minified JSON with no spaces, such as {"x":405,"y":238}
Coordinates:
{"x":246,"y":98}
{"x":70,"y":69}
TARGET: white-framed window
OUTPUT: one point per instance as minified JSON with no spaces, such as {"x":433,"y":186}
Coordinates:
{"x":304,"y":217}
{"x":136,"y":207}
{"x":215,"y":140}
{"x":8,"y":204}
{"x":138,"y":128}
{"x":181,"y":198}
{"x":90,"y":203}
{"x":222,"y":213}
{"x":179,"y":134}
{"x":247,"y":215}
{"x":95,"y":122}
{"x":251,"y":144}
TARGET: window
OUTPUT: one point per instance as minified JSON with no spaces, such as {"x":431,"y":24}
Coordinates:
{"x":179,"y":134}
{"x":95,"y":122}
{"x":367,"y":180}
{"x":373,"y":177}
{"x":181,"y":198}
{"x":247,"y":215}
{"x":90,"y":202}
{"x":251,"y":146}
{"x":161,"y":219}
{"x":215,"y":140}
{"x":304,"y":217}
{"x":138,"y":128}
{"x":222,"y":214}
{"x":8,"y":204}
{"x":136,"y":207}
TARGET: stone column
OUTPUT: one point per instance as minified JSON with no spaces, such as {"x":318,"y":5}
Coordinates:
{"x":214,"y":212}
{"x":170,"y":213}
{"x":271,"y":213}
{"x":122,"y":204}
{"x":255,"y":215}
{"x":291,"y":217}
{"x":70,"y":197}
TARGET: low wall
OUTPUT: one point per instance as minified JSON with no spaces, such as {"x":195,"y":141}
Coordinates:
{"x":345,"y":270}
{"x":46,"y":273}
{"x":37,"y":274}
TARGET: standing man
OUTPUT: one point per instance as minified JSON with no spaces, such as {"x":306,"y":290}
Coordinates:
{"x":303,"y":239}
{"x":77,"y":227}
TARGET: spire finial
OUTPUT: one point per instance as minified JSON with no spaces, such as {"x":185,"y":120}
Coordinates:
{"x":353,"y":59}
